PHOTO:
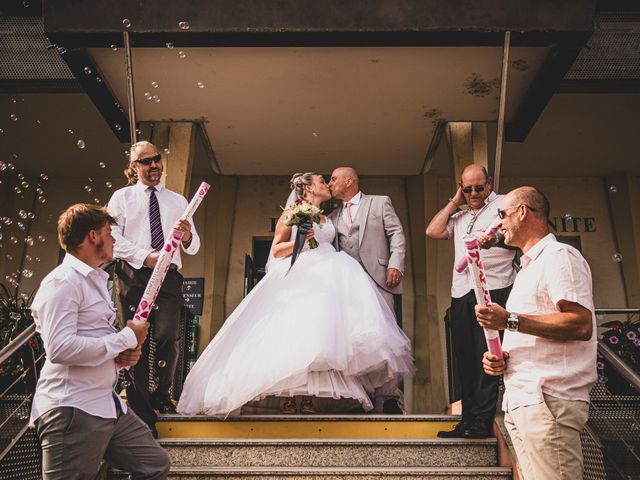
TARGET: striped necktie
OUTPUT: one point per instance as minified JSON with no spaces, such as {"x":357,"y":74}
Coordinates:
{"x":157,"y":237}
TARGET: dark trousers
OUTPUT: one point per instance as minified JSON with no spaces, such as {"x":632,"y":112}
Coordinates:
{"x":74,"y":442}
{"x":479,"y":390}
{"x":166,"y":325}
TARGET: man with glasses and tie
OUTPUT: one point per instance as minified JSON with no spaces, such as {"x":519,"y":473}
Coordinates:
{"x":478,"y":206}
{"x":146,"y":212}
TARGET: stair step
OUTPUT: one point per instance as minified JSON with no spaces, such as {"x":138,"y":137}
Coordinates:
{"x":334,"y":453}
{"x":310,"y":473}
{"x":305,"y":426}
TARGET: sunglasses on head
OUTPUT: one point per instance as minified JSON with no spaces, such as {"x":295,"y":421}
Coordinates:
{"x":147,"y":161}
{"x":477,"y":188}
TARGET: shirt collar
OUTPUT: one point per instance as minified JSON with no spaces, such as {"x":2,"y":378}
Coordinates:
{"x":144,"y":187}
{"x":355,"y":200}
{"x":77,"y":264}
{"x":535,"y":251}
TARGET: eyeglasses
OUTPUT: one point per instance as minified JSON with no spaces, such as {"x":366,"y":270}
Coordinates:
{"x":477,"y":188}
{"x":501,"y":213}
{"x":147,"y":161}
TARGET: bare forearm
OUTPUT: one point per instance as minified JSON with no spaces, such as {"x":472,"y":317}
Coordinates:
{"x":557,"y":326}
{"x":437,"y":228}
{"x":283,"y":249}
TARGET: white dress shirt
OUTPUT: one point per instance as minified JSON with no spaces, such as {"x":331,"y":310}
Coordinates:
{"x":498,"y":262}
{"x":355,"y":204}
{"x":73,"y":314}
{"x":130,"y":207}
{"x":551,"y":271}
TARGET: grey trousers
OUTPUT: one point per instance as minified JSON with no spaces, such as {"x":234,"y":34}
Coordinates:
{"x":74,"y":442}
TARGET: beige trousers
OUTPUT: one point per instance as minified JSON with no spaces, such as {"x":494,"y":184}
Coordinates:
{"x":546,"y":438}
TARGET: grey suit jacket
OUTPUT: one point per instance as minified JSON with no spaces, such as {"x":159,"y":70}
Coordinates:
{"x":382,"y":243}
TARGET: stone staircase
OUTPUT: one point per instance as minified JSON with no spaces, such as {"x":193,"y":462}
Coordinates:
{"x":322,"y":447}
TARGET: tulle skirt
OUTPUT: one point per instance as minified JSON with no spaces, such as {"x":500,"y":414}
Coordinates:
{"x":320,"y":328}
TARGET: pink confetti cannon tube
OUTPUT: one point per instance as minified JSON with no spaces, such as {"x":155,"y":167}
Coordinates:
{"x":476,"y":269}
{"x":165,"y":257}
{"x":491,"y":230}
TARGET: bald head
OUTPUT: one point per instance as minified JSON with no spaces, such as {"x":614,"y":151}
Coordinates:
{"x":344,"y":183}
{"x":142,"y":149}
{"x":474,"y":170}
{"x":532,"y":198}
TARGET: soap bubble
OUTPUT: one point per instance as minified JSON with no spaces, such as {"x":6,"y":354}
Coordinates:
{"x":114,"y":48}
{"x":102,"y":165}
{"x":154,"y":84}
{"x":181,"y":54}
{"x":200,"y":85}
{"x":29,"y":241}
{"x":26,"y":273}
{"x":147,"y":95}
{"x":617,"y":257}
{"x":13,"y":117}
{"x":41,"y":239}
{"x":23,"y":214}
{"x":42,"y":199}
{"x":156,"y":99}
{"x":3,"y":166}
{"x":96,"y":200}
{"x":31,"y":215}
{"x":11,"y":166}
{"x":184,"y":25}
{"x":169,"y":44}
{"x":613,"y":189}
{"x":44,"y":177}
{"x":98,"y":79}
{"x":568,"y":216}
{"x":25,"y":184}
{"x":21,"y":226}
{"x":126,"y":23}
{"x":87,"y":71}
{"x":117,"y":127}
{"x":87,"y":188}
{"x":109,"y":184}
{"x":70,"y":132}
{"x":166,"y":151}
{"x":80,"y":143}
{"x":17,"y":190}
{"x":13,"y":240}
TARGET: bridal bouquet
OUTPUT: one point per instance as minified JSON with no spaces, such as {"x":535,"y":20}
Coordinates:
{"x":303,"y":215}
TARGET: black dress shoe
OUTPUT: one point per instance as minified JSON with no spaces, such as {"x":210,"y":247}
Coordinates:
{"x":479,"y":429}
{"x":392,"y":407}
{"x":457,"y":432}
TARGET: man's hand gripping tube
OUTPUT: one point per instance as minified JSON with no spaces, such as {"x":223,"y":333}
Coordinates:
{"x":481,"y":289}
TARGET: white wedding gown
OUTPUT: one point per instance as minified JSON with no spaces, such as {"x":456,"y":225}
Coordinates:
{"x":320,"y":328}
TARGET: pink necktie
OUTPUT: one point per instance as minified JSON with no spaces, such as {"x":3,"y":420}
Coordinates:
{"x":348,"y":218}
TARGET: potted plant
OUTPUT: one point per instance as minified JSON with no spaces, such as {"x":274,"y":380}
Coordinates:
{"x":623,"y":337}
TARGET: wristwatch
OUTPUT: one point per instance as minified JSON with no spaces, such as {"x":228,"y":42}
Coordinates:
{"x":513,"y":322}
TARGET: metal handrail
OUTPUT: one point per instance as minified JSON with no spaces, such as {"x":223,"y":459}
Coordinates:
{"x":616,"y":311}
{"x":14,"y":345}
{"x":619,"y":366}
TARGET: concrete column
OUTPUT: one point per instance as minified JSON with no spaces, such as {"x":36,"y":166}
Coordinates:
{"x":179,"y":138}
{"x":625,"y":220}
{"x":220,"y":205}
{"x":467,"y":144}
{"x":429,"y":389}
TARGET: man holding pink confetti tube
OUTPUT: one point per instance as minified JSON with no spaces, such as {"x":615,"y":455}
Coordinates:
{"x":479,"y":391}
{"x":550,"y":344}
{"x":146,"y":212}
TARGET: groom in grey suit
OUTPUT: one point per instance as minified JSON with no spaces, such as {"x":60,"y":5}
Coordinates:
{"x":369,"y":230}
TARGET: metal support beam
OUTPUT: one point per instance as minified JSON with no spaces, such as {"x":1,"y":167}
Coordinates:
{"x":130,"y":93}
{"x":503,"y":100}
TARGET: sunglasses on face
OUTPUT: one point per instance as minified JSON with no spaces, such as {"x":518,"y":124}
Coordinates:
{"x":502,"y":214}
{"x":147,"y":161}
{"x":477,"y":188}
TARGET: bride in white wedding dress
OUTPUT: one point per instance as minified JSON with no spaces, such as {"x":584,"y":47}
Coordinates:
{"x":319,"y":328}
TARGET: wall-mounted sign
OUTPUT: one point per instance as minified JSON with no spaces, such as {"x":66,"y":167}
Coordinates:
{"x":193,"y":294}
{"x":570,"y":224}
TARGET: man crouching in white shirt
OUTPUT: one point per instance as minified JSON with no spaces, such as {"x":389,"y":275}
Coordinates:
{"x":77,"y":415}
{"x":550,"y":343}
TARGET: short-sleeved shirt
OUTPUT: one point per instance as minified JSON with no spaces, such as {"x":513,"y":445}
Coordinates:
{"x":551,"y":271}
{"x":498,"y":262}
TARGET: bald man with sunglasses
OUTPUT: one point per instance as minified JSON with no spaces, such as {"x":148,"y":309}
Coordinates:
{"x":473,"y":208}
{"x":146,"y":212}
